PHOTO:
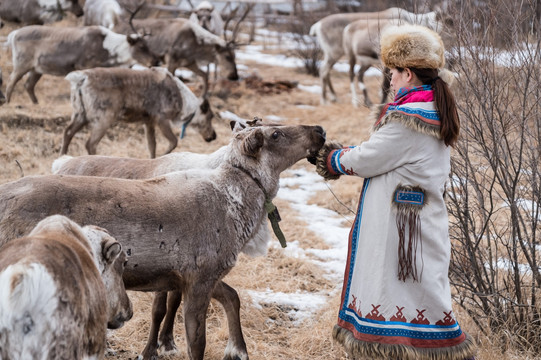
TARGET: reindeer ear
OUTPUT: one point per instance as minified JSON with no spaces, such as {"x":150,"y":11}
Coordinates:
{"x":205,"y":106}
{"x":236,"y":126}
{"x":110,"y":249}
{"x":252,"y":143}
{"x":133,"y":39}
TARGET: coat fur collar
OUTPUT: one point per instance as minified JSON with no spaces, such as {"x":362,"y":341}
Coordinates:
{"x":411,"y":122}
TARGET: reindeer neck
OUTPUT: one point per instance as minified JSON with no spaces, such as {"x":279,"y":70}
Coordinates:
{"x":269,"y":194}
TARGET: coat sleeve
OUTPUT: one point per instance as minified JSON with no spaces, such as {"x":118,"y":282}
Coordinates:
{"x":390,"y":147}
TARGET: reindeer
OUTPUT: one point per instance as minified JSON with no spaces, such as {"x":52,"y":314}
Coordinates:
{"x":329,"y":33}
{"x":60,"y":289}
{"x":100,"y":97}
{"x":39,"y":50}
{"x":102,"y":12}
{"x":184,"y":43}
{"x":361,"y":43}
{"x":206,"y":15}
{"x":184,"y":230}
{"x":165,"y":305}
{"x":36,"y":12}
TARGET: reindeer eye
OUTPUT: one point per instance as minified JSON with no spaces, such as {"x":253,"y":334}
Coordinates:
{"x":276,"y":135}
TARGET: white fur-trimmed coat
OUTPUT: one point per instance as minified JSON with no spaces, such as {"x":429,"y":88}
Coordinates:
{"x":382,"y":316}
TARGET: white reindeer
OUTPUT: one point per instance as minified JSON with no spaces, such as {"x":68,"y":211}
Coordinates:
{"x":102,"y":12}
{"x":206,"y":15}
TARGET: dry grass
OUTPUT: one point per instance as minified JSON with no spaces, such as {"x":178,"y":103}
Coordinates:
{"x":32,"y":135}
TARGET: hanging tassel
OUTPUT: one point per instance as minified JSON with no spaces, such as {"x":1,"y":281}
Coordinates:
{"x":408,"y":202}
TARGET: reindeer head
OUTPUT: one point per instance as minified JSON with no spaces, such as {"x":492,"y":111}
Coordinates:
{"x":75,"y":8}
{"x":275,"y":146}
{"x":139,"y":45}
{"x":203,"y":121}
{"x":226,"y":60}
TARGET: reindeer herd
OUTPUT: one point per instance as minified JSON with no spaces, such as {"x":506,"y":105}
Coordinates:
{"x":72,"y":242}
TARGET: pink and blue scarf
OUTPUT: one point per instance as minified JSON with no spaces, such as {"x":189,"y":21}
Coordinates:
{"x":416,"y":101}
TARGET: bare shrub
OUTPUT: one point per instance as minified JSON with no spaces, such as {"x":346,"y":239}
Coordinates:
{"x":494,"y":195}
{"x":306,"y":47}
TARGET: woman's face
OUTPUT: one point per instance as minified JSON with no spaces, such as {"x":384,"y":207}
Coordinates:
{"x":400,"y":79}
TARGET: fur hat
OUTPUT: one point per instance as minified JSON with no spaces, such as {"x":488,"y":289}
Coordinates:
{"x":411,"y":46}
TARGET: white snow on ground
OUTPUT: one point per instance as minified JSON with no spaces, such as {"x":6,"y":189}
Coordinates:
{"x":297,"y":187}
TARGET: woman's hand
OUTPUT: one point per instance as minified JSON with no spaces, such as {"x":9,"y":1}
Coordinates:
{"x":321,"y":160}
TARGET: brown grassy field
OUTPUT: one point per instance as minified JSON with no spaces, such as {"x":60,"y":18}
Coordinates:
{"x":31,"y":135}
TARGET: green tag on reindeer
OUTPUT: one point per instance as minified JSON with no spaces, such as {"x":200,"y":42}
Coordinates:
{"x":274,"y":217}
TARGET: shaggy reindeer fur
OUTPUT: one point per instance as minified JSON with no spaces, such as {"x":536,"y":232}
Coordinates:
{"x":60,"y":287}
{"x":39,"y":50}
{"x":329,"y":32}
{"x":166,"y":304}
{"x":183,"y":43}
{"x":183,"y":230}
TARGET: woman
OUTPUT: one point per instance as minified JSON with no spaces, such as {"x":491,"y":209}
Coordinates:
{"x":396,"y":299}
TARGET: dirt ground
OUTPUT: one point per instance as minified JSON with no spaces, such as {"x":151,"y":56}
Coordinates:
{"x":30,"y":139}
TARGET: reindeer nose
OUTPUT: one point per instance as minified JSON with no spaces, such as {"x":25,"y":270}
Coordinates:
{"x":211,"y":137}
{"x":321,"y":131}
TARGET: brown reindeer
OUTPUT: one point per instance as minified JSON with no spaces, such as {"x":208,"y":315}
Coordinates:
{"x":102,"y":96}
{"x":183,"y":43}
{"x":361,"y":45}
{"x":39,"y":50}
{"x":60,"y":288}
{"x":36,"y":12}
{"x":165,"y":305}
{"x":329,"y":33}
{"x":184,"y":230}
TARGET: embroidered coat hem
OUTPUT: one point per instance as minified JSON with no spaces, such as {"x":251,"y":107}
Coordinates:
{"x":384,"y":348}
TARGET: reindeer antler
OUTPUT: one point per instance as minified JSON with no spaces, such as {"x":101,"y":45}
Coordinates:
{"x":236,"y":28}
{"x":133,"y":13}
{"x":252,"y":123}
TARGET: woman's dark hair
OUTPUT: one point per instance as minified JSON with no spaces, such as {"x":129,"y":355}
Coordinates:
{"x":445,"y":104}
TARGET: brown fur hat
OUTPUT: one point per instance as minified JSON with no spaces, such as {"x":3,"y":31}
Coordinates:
{"x":411,"y":46}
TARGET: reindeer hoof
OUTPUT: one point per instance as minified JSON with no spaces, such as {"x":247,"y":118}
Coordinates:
{"x":168,"y":349}
{"x":141,"y":357}
{"x":236,"y":356}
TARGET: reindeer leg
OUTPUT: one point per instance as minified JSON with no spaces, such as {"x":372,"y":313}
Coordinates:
{"x":228,"y":297}
{"x":158,"y":312}
{"x":193,"y":67}
{"x":386,"y":85}
{"x":165,"y":128}
{"x":14,"y":78}
{"x":354,"y":99}
{"x":150,"y":133}
{"x":76,"y":124}
{"x":167,"y":341}
{"x":324,"y":74}
{"x":31,"y":81}
{"x":197,"y":299}
{"x":98,"y":131}
{"x":362,"y":85}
